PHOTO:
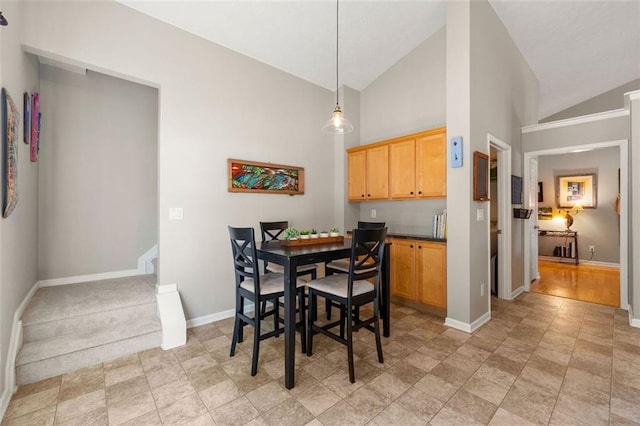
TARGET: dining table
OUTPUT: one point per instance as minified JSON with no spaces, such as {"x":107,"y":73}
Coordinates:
{"x":290,"y":257}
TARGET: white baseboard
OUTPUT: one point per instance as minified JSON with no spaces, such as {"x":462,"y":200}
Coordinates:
{"x":468,"y":328}
{"x":517,"y":292}
{"x":15,"y":343}
{"x":208,"y":319}
{"x":145,"y":262}
{"x":580,"y":262}
{"x":91,"y":277}
{"x":633,"y":322}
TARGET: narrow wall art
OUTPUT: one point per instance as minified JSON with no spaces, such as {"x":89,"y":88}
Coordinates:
{"x":26,"y":128}
{"x":35,"y":127}
{"x":10,"y":126}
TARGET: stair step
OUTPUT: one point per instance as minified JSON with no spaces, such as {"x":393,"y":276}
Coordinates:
{"x":56,"y":346}
{"x":73,"y":300}
{"x":84,"y":323}
{"x":57,"y":365}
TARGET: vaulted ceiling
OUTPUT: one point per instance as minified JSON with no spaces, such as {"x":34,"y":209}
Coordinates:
{"x":577,"y":49}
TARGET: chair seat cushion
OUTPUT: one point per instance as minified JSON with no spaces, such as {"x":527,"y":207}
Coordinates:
{"x":269,"y":284}
{"x":279,"y":269}
{"x":337,"y":285}
{"x":342,"y":265}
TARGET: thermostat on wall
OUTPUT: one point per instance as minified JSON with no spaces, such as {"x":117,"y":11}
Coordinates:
{"x":456,"y":151}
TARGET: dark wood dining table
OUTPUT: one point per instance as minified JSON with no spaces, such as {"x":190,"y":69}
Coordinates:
{"x":290,"y":257}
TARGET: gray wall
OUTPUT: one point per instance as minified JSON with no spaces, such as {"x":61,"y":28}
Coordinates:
{"x":490,"y":89}
{"x":18,"y":232}
{"x":98,"y":173}
{"x":613,"y":99}
{"x":599,"y":226}
{"x":407,"y":98}
{"x":214,"y":104}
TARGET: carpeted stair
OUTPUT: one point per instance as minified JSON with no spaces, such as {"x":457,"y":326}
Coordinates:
{"x":69,"y":327}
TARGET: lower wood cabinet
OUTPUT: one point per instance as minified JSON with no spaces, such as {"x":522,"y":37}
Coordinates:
{"x":419,"y":271}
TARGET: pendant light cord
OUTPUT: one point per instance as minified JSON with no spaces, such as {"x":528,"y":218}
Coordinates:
{"x":337,"y":51}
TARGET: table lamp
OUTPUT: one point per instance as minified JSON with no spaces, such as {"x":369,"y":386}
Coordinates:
{"x":568,"y":217}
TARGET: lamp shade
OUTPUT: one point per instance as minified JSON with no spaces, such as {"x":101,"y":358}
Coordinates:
{"x":337,"y":124}
{"x":577,"y":207}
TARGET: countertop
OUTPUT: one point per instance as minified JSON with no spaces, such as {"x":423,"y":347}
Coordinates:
{"x":420,"y":237}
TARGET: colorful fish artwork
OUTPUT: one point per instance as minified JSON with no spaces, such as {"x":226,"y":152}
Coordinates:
{"x":26,"y":131}
{"x":247,"y":176}
{"x":11,"y":123}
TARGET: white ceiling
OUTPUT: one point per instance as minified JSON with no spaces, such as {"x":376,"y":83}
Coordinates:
{"x":577,"y":49}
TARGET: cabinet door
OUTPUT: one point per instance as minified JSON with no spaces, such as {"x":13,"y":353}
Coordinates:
{"x":403,"y":265}
{"x":431,"y":265}
{"x":378,"y":172}
{"x":357,"y":176}
{"x":402,"y":169}
{"x":431,"y":166}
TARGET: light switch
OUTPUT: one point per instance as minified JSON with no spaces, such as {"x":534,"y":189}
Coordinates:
{"x":479,"y":215}
{"x":175,"y":213}
{"x":373,"y":213}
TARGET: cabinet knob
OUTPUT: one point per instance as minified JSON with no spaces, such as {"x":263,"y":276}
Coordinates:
{"x":411,"y":192}
{"x":419,"y":192}
{"x":368,"y":195}
{"x":362,"y":195}
{"x":411,"y":246}
{"x":419,"y":247}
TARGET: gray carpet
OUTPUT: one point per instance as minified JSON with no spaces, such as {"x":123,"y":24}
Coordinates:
{"x":69,"y":327}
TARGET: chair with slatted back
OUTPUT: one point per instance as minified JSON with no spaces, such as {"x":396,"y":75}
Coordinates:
{"x":351,"y":291}
{"x":341,"y":266}
{"x":257,"y":288}
{"x":271,"y":231}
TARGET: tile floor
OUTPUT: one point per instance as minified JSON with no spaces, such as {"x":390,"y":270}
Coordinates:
{"x":541,"y":360}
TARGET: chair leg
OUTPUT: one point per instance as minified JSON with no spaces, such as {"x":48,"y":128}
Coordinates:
{"x":327,"y":307}
{"x":303,"y":322}
{"x":376,"y":329}
{"x":276,"y":316}
{"x":352,"y":374}
{"x":256,"y":346}
{"x":343,"y":319}
{"x":237,"y":327}
{"x":263,"y":307}
{"x":313,"y":299}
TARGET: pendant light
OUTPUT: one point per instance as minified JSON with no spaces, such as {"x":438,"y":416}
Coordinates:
{"x":337,"y":124}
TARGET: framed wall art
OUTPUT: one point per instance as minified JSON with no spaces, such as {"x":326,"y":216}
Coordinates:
{"x":35,"y":127}
{"x":540,"y":194}
{"x":480,"y":176}
{"x":268,"y":178}
{"x":26,"y":126}
{"x":516,"y":189}
{"x":577,"y":189}
{"x":10,"y":126}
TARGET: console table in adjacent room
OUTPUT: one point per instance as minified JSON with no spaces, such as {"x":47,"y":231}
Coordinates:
{"x":573,"y":235}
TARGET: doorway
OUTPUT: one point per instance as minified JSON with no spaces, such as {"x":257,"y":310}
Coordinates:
{"x":501,"y":230}
{"x":531,"y":239}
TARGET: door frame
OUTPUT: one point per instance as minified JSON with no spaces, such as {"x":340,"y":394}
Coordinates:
{"x":504,"y":218}
{"x":623,"y":145}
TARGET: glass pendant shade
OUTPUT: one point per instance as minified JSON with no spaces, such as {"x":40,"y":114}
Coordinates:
{"x":337,"y":124}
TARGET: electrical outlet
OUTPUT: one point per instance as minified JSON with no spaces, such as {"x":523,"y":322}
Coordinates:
{"x":592,"y":249}
{"x":373,"y":213}
{"x":481,"y":289}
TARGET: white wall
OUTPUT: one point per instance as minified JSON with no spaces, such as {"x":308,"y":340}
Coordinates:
{"x":407,"y":98}
{"x":215,"y":104}
{"x":599,"y":226}
{"x":490,"y":89}
{"x":98,"y":173}
{"x":18,"y":232}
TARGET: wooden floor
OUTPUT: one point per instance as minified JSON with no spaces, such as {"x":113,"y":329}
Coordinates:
{"x":589,"y":283}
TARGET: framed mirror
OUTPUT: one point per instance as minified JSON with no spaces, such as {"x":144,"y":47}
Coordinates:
{"x":480,"y":176}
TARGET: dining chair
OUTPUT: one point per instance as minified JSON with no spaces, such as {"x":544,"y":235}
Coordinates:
{"x":251,"y":285}
{"x":341,"y":266}
{"x":271,"y":231}
{"x":351,"y":291}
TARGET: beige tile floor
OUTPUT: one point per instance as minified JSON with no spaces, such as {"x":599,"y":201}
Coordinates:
{"x":540,"y":360}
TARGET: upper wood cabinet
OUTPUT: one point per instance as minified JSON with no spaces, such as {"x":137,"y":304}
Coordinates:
{"x":414,"y":166}
{"x":368,"y":173}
